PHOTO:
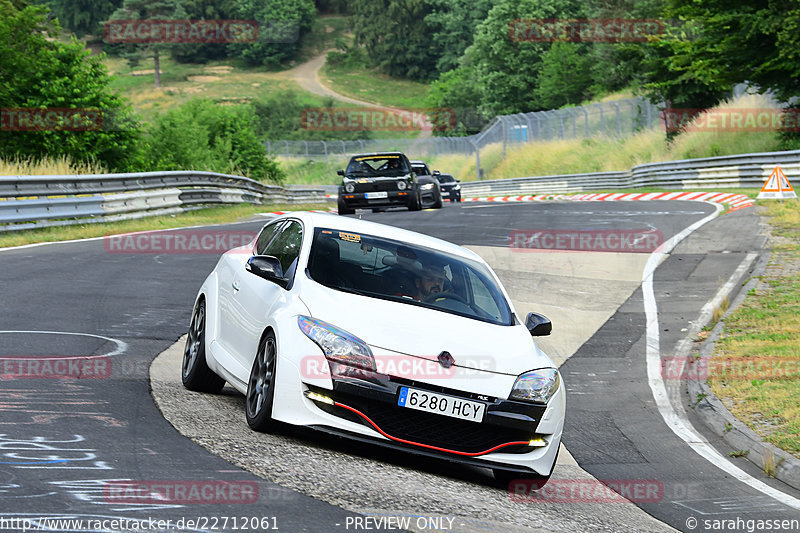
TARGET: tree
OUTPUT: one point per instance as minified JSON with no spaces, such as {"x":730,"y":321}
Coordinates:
{"x":83,"y":16}
{"x":396,"y":36}
{"x":565,"y":76}
{"x":452,"y":24}
{"x":507,"y":66}
{"x":205,"y":10}
{"x":282,"y":24}
{"x":149,"y":10}
{"x":722,"y":43}
{"x":55,"y":96}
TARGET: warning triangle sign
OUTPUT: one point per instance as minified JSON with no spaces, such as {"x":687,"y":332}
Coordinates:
{"x":777,"y":186}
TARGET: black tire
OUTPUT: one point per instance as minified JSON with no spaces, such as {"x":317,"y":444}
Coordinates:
{"x":415,"y":203}
{"x":505,"y":478}
{"x":438,"y":203}
{"x":195,"y":373}
{"x":344,"y":210}
{"x":261,"y":386}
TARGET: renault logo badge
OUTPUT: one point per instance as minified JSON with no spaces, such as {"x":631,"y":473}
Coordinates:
{"x":446,"y":360}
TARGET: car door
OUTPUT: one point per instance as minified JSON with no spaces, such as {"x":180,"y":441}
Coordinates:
{"x":230,"y":272}
{"x":256,"y":298}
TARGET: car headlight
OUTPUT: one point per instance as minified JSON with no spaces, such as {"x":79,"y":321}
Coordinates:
{"x":426,"y":187}
{"x":402,"y":185}
{"x":349,"y":187}
{"x":457,"y":188}
{"x":537,"y":386}
{"x":337,"y":345}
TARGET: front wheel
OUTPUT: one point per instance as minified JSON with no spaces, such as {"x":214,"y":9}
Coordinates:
{"x":195,"y":373}
{"x":415,"y":204}
{"x":261,"y":386}
{"x":438,"y":203}
{"x":344,"y":210}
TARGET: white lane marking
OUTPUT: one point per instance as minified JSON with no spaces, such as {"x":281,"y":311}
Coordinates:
{"x":122,"y":346}
{"x":678,"y":422}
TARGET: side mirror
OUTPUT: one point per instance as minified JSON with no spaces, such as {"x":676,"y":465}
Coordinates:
{"x":340,"y":172}
{"x":538,"y":325}
{"x":458,"y":181}
{"x":267,"y":267}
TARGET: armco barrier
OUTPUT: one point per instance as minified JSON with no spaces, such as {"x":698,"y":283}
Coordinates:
{"x":40,"y":201}
{"x":747,"y":170}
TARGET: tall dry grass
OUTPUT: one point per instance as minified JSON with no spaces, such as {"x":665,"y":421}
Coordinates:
{"x":48,"y":165}
{"x":599,"y":154}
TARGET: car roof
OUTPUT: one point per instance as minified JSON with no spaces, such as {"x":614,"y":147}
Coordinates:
{"x":378,"y":154}
{"x":332,"y":221}
{"x":418,"y":162}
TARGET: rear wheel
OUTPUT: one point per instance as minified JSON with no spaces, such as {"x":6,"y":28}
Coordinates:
{"x":261,"y":386}
{"x":195,"y":373}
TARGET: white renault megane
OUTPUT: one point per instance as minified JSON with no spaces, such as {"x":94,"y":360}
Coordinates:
{"x":382,"y":335}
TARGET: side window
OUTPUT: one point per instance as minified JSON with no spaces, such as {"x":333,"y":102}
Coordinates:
{"x":286,"y":247}
{"x":483,"y":296}
{"x":266,"y":236}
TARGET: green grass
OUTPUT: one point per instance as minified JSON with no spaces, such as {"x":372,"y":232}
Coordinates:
{"x":308,"y":172}
{"x":224,"y":82}
{"x":369,"y":85}
{"x":764,"y":332}
{"x":199,"y":217}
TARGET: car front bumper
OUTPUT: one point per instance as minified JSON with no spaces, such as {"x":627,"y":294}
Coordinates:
{"x":367,"y":200}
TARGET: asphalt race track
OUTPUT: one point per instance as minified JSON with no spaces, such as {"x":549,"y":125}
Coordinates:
{"x":69,"y":447}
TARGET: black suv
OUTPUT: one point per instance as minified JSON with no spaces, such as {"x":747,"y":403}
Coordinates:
{"x":380,"y":180}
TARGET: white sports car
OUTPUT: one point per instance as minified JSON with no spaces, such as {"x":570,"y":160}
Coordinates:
{"x":382,"y":335}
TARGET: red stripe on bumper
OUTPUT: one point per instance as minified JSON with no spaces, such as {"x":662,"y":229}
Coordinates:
{"x":404,"y":441}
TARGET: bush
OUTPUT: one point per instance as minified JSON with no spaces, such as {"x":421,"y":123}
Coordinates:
{"x":201,"y":135}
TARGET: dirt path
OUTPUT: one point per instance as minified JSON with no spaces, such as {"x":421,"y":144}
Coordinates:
{"x":307,"y":76}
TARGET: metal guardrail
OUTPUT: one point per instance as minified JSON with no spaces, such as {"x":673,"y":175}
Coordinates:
{"x":41,"y":201}
{"x":747,"y":170}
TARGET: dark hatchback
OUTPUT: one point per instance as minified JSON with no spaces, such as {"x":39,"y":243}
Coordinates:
{"x":380,"y":180}
{"x":451,"y":187}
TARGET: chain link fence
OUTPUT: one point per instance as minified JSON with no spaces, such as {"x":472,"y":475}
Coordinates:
{"x":616,"y":118}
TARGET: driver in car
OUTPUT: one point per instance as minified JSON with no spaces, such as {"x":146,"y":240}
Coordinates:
{"x":430,"y":280}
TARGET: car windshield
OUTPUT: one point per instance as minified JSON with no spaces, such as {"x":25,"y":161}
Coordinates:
{"x":391,"y":270}
{"x":445,"y":178}
{"x":421,"y":170}
{"x":386,"y":165}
